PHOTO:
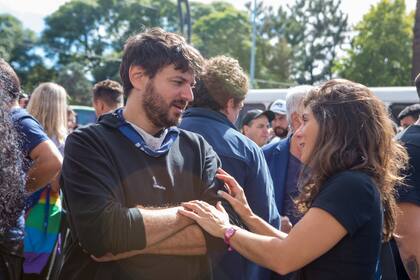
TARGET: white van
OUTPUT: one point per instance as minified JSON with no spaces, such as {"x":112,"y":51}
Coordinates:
{"x":396,"y":98}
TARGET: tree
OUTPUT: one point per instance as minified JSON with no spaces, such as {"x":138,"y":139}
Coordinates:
{"x":315,"y":31}
{"x":273,"y":53}
{"x":416,"y":43}
{"x":380,"y":53}
{"x":91,"y":31}
{"x":72,"y":77}
{"x":91,"y":34}
{"x":224,"y":32}
{"x":273,"y":64}
{"x":221,"y":29}
{"x":17,"y":46}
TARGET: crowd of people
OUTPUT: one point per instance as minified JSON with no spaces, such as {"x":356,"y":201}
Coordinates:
{"x":164,"y":185}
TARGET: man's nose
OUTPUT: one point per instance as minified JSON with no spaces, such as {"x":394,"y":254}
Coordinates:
{"x":187,"y":93}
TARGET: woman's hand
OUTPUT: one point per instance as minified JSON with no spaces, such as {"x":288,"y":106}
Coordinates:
{"x":236,"y":196}
{"x":212,"y":219}
{"x":285,"y":225}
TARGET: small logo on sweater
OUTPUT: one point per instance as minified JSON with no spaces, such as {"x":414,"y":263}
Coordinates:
{"x":156,"y":185}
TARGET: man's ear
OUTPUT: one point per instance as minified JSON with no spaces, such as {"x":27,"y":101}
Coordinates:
{"x":295,"y":120}
{"x":102,"y":105}
{"x":230,"y":105}
{"x":245,"y":129}
{"x":137,"y":76}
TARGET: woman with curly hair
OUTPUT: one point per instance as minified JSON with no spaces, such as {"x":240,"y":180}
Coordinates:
{"x":352,"y":164}
{"x":12,"y":186}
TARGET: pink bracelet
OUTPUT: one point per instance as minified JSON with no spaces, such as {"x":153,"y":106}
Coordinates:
{"x":229,"y":233}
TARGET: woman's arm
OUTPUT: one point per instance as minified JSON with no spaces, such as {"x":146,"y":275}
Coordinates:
{"x":315,"y":234}
{"x":257,"y":225}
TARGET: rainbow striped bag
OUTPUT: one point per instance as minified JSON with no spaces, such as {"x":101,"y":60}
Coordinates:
{"x":42,"y":226}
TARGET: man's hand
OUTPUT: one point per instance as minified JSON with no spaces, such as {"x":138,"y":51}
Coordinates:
{"x":286,"y":225}
{"x":105,"y":258}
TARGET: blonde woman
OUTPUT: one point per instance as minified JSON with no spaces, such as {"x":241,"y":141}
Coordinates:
{"x":48,"y":104}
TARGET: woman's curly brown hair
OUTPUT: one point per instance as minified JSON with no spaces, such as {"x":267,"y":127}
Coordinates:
{"x":355,"y":133}
{"x":12,"y":181}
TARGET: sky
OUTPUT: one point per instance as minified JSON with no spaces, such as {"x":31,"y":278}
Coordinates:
{"x":32,"y":12}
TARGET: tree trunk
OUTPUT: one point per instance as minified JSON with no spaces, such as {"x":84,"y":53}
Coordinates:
{"x":416,"y":43}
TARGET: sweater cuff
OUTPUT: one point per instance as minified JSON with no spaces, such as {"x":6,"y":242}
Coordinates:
{"x":137,"y":232}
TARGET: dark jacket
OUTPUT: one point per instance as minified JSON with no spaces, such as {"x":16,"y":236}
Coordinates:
{"x":277,"y":157}
{"x":105,"y":176}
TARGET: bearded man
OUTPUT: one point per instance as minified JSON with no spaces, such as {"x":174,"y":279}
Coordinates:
{"x":124,"y":178}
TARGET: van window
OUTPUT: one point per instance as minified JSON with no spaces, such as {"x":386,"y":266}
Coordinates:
{"x":84,"y":117}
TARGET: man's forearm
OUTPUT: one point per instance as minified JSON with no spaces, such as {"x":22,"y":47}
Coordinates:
{"x":188,"y":241}
{"x":160,"y":224}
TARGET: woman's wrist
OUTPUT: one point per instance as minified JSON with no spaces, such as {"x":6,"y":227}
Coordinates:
{"x":251,"y":220}
{"x":247,"y":215}
{"x":223,"y":229}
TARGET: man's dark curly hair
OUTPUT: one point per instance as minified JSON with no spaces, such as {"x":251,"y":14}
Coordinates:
{"x":153,"y":50}
{"x":12,"y":180}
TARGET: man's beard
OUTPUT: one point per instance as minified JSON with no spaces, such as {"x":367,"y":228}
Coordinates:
{"x":281,"y":132}
{"x":157,"y":110}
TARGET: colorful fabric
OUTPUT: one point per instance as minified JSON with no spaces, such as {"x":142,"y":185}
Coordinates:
{"x":42,"y":225}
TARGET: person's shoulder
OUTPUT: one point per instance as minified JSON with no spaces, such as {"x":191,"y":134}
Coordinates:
{"x":351,"y":176}
{"x":271,"y":147}
{"x":22,"y":117}
{"x":87,"y":133}
{"x":352,"y":182}
{"x":191,"y":137}
{"x":32,"y":131}
{"x":411,"y":135}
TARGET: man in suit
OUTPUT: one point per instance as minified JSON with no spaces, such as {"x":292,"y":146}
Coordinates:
{"x":283,"y":157}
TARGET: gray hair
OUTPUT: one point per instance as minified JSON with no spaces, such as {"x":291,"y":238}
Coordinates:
{"x":294,"y":99}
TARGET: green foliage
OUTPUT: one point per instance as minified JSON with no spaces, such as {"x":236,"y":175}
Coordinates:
{"x":18,"y":47}
{"x":315,"y":30}
{"x":224,"y":32}
{"x":84,"y":31}
{"x":73,"y":78}
{"x":273,"y":64}
{"x":380,"y":53}
{"x":220,"y":29}
{"x":295,"y":44}
{"x":273,"y":53}
{"x":92,"y":33}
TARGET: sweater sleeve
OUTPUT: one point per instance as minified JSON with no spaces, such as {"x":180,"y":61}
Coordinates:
{"x":211,"y":185}
{"x":92,"y":194}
